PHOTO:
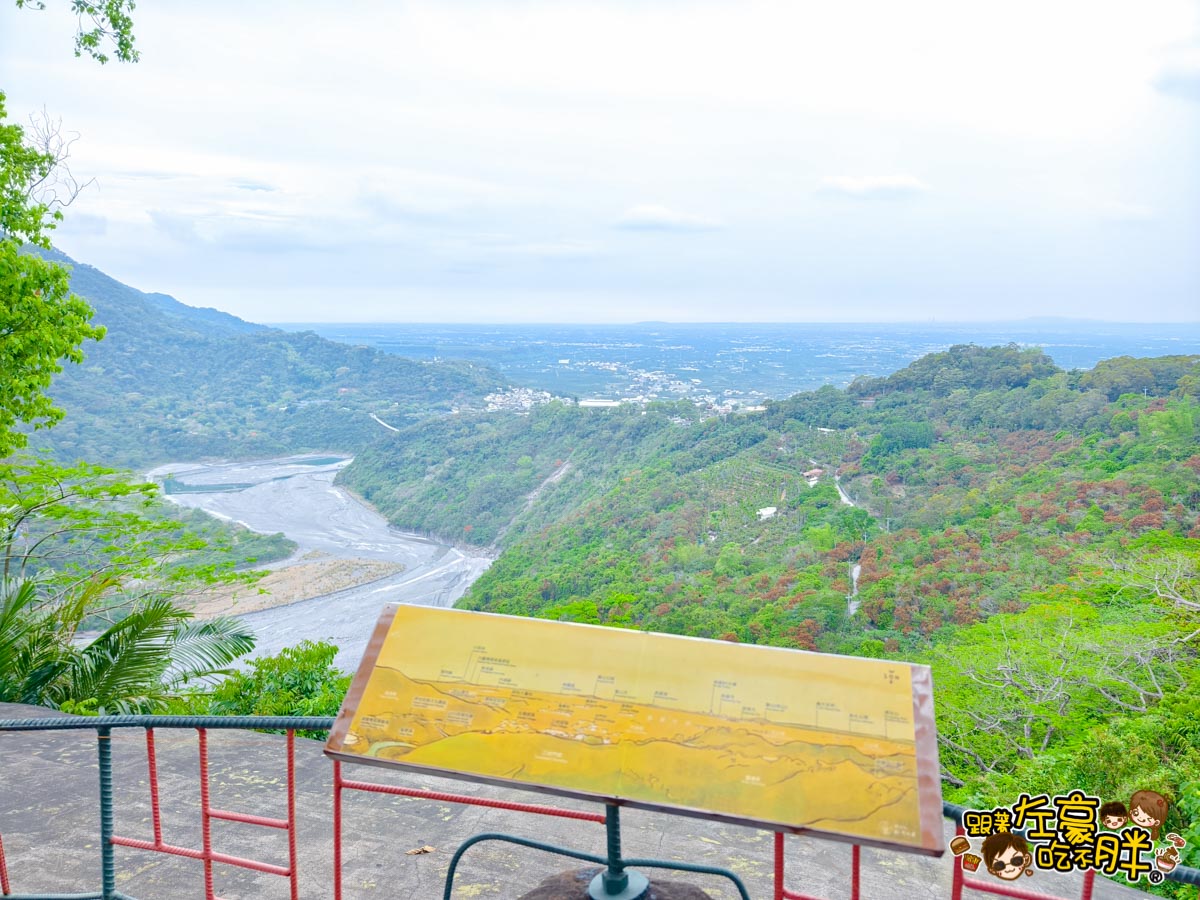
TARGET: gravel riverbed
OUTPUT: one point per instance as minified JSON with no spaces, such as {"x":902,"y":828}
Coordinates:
{"x":297,"y":496}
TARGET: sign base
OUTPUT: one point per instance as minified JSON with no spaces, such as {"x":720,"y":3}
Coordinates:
{"x":636,"y":886}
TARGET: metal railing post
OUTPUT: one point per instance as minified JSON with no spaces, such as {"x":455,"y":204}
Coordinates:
{"x":1089,"y":881}
{"x":205,"y":817}
{"x":956,"y":877}
{"x":337,"y":830}
{"x":108,"y":871}
{"x":5,"y":890}
{"x":615,"y":879}
{"x":155,"y":806}
{"x":293,"y":853}
{"x":779,"y":865}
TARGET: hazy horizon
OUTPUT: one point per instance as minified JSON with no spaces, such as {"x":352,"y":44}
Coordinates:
{"x":934,"y":323}
{"x":737,"y":361}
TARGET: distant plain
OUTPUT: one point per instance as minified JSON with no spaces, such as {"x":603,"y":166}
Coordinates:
{"x":747,"y":361}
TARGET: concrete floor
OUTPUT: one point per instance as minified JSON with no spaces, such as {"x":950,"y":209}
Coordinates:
{"x":49,"y":824}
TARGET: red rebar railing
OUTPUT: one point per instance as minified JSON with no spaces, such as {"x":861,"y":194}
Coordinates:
{"x":962,"y":881}
{"x":4,"y":887}
{"x":207,"y":813}
{"x":958,"y":883}
{"x":340,"y":784}
{"x":782,"y":893}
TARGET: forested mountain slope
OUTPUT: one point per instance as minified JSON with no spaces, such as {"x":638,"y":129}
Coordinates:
{"x":964,"y":498}
{"x":1032,"y":533}
{"x":172,"y":382}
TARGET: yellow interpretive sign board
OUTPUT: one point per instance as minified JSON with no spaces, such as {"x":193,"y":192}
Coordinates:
{"x":769,"y":737}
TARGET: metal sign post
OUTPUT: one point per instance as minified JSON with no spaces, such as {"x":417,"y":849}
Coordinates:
{"x":616,"y":881}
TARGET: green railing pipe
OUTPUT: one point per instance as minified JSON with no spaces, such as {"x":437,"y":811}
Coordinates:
{"x":585,"y":857}
{"x":108,"y":869}
{"x":77,"y":723}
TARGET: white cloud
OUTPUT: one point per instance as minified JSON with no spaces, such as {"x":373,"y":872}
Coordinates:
{"x":873,"y":185}
{"x":648,"y":217}
{"x":83,"y":224}
{"x":1181,"y":77}
{"x":414,"y":144}
{"x":1126,"y":212}
{"x":249,"y":184}
{"x":177,"y":227}
{"x":554,"y":250}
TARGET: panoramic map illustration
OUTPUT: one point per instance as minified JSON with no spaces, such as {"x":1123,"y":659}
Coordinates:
{"x":758,"y":734}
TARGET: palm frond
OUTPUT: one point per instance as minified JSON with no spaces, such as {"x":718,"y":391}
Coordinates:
{"x":135,"y":665}
{"x":203,"y":649}
{"x":126,"y":662}
{"x":31,"y":650}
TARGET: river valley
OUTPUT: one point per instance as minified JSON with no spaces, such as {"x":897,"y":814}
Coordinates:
{"x":297,"y":496}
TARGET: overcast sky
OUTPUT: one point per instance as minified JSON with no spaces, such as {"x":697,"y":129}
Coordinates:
{"x":631,"y":160}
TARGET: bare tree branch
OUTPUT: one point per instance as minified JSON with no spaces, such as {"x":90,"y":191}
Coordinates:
{"x":58,"y":188}
{"x":1171,"y":576}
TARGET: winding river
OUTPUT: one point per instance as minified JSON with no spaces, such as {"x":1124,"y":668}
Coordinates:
{"x":296,"y":496}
